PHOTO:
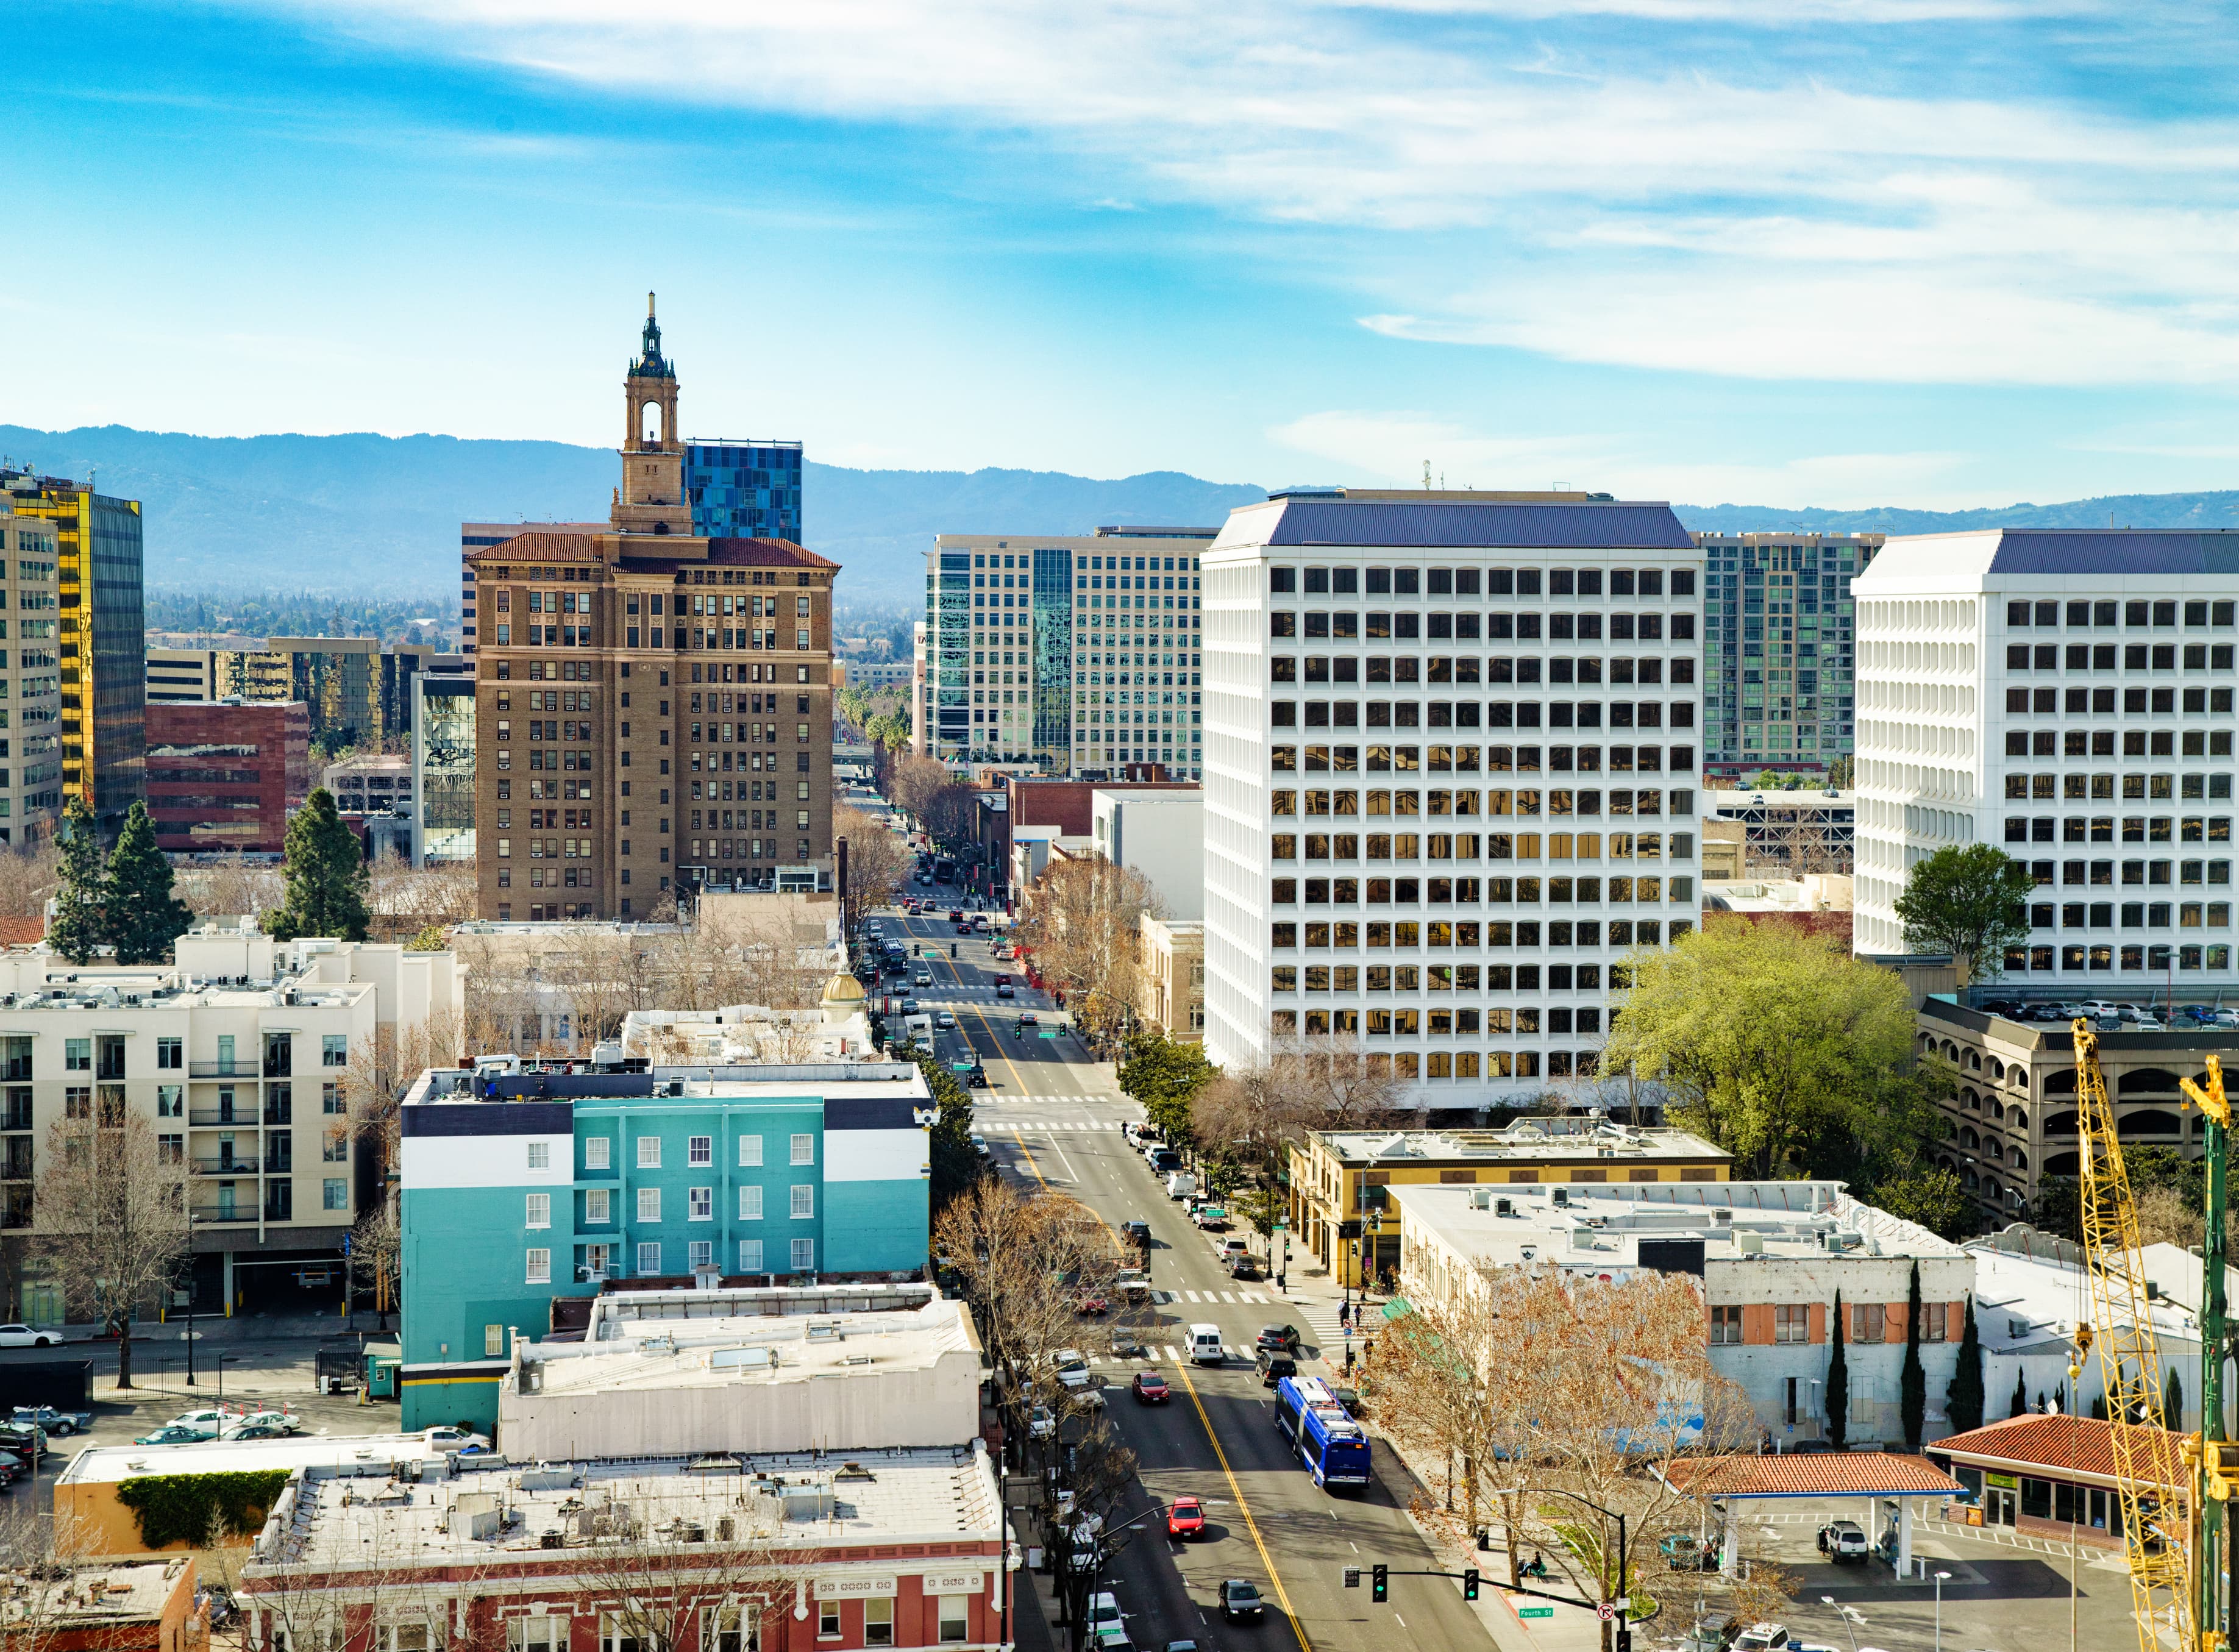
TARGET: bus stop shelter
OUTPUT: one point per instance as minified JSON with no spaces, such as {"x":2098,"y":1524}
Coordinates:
{"x":1870,"y":1476}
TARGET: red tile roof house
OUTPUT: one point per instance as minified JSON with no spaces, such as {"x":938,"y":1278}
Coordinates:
{"x":2050,"y":1476}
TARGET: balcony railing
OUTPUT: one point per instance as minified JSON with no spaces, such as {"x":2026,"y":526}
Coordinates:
{"x":216,"y":1213}
{"x":236,"y":1068}
{"x":241,"y":1167}
{"x":243,"y":1118}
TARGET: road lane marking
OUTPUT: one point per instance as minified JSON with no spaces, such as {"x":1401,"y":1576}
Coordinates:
{"x":1025,"y":1154}
{"x":1250,"y":1524}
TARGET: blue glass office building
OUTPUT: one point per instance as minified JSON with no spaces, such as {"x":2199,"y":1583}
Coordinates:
{"x":744,"y":490}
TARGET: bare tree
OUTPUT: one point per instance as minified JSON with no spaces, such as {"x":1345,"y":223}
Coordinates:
{"x":878,"y":863}
{"x":916,"y":782}
{"x":232,"y":886}
{"x":406,"y":898}
{"x":29,"y":874}
{"x":680,"y":1568}
{"x":112,"y":1204}
{"x":1083,"y":928}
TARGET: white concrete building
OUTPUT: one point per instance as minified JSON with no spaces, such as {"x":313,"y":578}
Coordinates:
{"x":2067,"y":696}
{"x":1771,"y":1256}
{"x":30,"y":783}
{"x":1159,"y":834}
{"x":1450,"y":774}
{"x":764,"y":1369}
{"x":238,"y":1055}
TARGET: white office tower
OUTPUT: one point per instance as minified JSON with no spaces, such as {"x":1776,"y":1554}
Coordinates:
{"x":2066,"y":696}
{"x":1450,"y":769}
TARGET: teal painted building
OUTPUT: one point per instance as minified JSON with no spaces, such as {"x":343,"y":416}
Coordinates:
{"x":522,"y":1189}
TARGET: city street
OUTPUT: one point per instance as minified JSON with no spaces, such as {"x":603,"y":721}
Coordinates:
{"x":1054,"y":1120}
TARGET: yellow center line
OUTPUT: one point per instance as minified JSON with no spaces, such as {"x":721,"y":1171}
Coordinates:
{"x":1027,"y":1153}
{"x":1250,"y":1524}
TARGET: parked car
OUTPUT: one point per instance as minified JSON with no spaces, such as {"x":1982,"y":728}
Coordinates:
{"x":1243,"y":1266}
{"x":1843,"y":1542}
{"x":1240,"y":1602}
{"x":287,"y":1422}
{"x":54,"y":1422}
{"x":1150,"y":1389}
{"x":212,"y":1420}
{"x":24,"y":1337}
{"x":980,"y":1146}
{"x":1104,"y":1614}
{"x":175,"y":1434}
{"x":1041,"y":1422}
{"x":1186,"y":1518}
{"x":1761,"y":1637}
{"x":1132,"y":1283}
{"x":1283,"y":1337}
{"x":253,"y":1431}
{"x":1209,"y":1218}
{"x":25,"y":1442}
{"x":1092,"y":1304}
{"x":444,"y":1438}
{"x":1137,"y":1233}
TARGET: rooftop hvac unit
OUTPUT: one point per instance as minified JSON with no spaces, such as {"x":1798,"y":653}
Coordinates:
{"x":1562,"y":1198}
{"x":1724,"y":1216}
{"x":1504,"y":1207}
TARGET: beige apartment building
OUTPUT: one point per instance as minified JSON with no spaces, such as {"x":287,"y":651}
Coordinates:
{"x":31,"y":684}
{"x":653,"y":709}
{"x":239,"y":1055}
{"x":1172,"y":995}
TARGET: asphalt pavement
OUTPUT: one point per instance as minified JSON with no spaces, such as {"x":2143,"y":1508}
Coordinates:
{"x":1054,"y":1118}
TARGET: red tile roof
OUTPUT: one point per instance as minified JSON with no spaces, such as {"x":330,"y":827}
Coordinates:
{"x":2076,"y":1444}
{"x":640,"y":552}
{"x":22,"y":931}
{"x":539,"y":544}
{"x":1811,"y":1473}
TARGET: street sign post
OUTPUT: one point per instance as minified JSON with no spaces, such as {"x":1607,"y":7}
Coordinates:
{"x":1535,"y":1611}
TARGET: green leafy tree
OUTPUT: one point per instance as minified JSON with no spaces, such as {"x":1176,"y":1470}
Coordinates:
{"x":327,"y":877}
{"x":80,"y":925}
{"x":1969,"y":900}
{"x":2019,"y":1406}
{"x":1912,"y":1376}
{"x":1838,"y":1383}
{"x":1164,"y":1075}
{"x":1840,"y":773}
{"x":1767,"y":781}
{"x":144,"y":917}
{"x":1963,"y":1396}
{"x":955,"y":1166}
{"x":1931,"y":1196}
{"x":1782,"y":1049}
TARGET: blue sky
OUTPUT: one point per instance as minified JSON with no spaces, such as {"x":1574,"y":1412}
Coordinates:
{"x":1795,"y":252}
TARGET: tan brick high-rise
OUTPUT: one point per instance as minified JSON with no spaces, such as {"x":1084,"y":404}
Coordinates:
{"x":652,"y":710}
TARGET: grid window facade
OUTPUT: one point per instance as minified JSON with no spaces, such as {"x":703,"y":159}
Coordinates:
{"x":1445,"y":794}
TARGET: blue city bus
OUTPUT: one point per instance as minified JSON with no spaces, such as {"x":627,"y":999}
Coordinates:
{"x":1332,"y":1445}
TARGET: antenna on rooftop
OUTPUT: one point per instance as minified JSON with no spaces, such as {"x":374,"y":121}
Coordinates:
{"x":1427,"y":475}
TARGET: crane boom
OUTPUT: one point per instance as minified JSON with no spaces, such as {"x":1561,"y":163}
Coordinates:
{"x":2151,"y":1471}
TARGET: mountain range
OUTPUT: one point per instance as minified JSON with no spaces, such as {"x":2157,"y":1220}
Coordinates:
{"x":366,"y":513}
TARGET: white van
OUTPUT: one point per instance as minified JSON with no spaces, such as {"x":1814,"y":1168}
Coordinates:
{"x":919,"y":1027}
{"x":1205,"y":1345}
{"x":1181,"y":1185}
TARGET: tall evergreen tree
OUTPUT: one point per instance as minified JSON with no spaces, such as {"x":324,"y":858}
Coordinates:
{"x":80,"y":925}
{"x":2173,"y":1401}
{"x":1838,"y":1386}
{"x":1912,"y":1377}
{"x":1963,"y":1397}
{"x":2020,"y":1406}
{"x":144,"y":917}
{"x":327,"y":877}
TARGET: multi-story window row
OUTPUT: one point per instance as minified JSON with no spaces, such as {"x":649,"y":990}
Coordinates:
{"x":1455,"y":894}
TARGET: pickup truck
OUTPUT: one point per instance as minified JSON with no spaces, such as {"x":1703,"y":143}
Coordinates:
{"x":54,"y":1422}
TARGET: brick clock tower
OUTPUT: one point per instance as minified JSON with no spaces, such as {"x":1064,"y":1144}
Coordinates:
{"x":653,"y":709}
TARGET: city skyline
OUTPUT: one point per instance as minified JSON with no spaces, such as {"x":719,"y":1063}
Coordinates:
{"x":1827,"y":255}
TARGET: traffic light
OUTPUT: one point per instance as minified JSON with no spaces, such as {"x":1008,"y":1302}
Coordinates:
{"x":1379,"y":1585}
{"x":1352,"y":1577}
{"x":1469,"y":1584}
{"x":1624,"y":1639}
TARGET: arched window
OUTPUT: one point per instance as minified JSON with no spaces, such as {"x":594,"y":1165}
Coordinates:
{"x":1991,"y":1189}
{"x":2060,"y":1084}
{"x":2149,"y":1121}
{"x":1968,"y":1138}
{"x":1950,"y":1052}
{"x":2020,"y":1160}
{"x":649,"y":422}
{"x":2147,"y":1081}
{"x":2061,"y":1164}
{"x":1997,"y":1070}
{"x":1968,"y":1180}
{"x":1974,"y":1061}
{"x":1994,"y":1147}
{"x":2060,"y":1124}
{"x":1970,"y":1101}
{"x":2017,"y":1117}
{"x":1997,"y":1109}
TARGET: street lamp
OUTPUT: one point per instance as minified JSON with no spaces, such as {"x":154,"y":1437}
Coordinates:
{"x":1852,"y":1618}
{"x":1942,"y":1578}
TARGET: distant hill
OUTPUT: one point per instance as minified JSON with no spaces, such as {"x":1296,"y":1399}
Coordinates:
{"x":371,"y":514}
{"x":379,"y":515}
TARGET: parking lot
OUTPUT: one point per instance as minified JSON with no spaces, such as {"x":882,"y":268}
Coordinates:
{"x":277,"y":1375}
{"x":1998,"y":1597}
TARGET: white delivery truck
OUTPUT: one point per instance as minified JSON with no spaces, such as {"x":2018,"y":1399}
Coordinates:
{"x":919,"y":1027}
{"x":1181,"y":1185}
{"x":1205,"y":1345}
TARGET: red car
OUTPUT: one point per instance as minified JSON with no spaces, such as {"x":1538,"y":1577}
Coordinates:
{"x":1092,"y":1306}
{"x":1186,"y":1518}
{"x":1150,"y":1389}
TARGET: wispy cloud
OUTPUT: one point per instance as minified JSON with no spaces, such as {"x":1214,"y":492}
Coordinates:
{"x":1742,"y":187}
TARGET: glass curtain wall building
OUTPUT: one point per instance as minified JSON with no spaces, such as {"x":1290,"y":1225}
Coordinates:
{"x":443,"y":765}
{"x":1778,"y":646}
{"x":744,"y":489}
{"x":1079,"y":654}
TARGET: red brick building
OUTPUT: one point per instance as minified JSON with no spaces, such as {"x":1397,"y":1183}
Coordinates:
{"x":222,"y":774}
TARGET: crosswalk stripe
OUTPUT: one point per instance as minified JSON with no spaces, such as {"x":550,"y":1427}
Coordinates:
{"x":1162,"y":1296}
{"x":1228,"y":1295}
{"x":1171,"y":1356}
{"x":1190,"y":1296}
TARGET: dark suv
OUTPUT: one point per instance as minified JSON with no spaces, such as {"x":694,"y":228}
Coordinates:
{"x":1274,"y":1365}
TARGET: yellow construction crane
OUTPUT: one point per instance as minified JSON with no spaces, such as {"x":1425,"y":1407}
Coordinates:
{"x":2153,"y":1471}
